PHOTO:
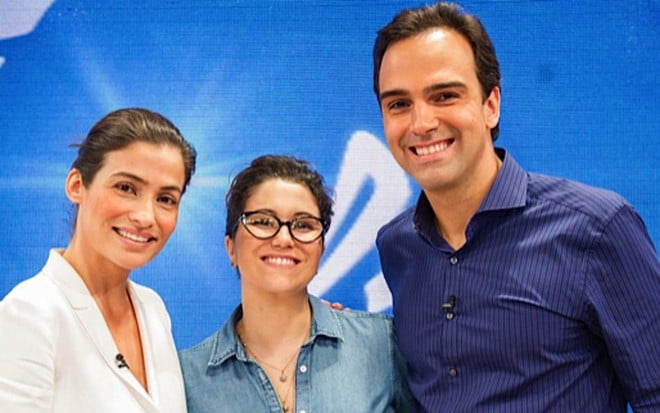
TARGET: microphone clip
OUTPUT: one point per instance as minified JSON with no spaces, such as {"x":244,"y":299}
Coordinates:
{"x":121,"y":361}
{"x":449,"y":306}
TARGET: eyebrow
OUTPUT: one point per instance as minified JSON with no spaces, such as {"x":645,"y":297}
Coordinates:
{"x":295,"y":215}
{"x":429,"y":89}
{"x":133,"y":177}
{"x":446,"y":85}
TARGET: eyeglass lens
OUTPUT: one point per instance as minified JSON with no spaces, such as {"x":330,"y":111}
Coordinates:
{"x":263,"y":225}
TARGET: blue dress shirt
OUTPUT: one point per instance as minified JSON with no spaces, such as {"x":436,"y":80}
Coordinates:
{"x":350,"y":364}
{"x":552,"y":304}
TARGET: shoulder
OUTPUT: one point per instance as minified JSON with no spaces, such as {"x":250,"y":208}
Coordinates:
{"x":589,"y":201}
{"x":400,"y":223}
{"x":371,"y":326}
{"x":196,"y":359}
{"x":360,"y":330}
{"x":34,"y":295}
{"x":203,"y":347}
{"x":357,"y":316}
{"x":151,"y":304}
{"x":34,"y":312}
{"x":214,"y":349}
{"x":147,"y":295}
{"x":349,"y":325}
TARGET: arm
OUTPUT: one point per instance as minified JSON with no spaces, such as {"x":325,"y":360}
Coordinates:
{"x":27,"y":367}
{"x":625,"y":294}
{"x":404,"y":400}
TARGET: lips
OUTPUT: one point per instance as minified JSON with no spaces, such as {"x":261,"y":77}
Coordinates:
{"x":425,"y":150}
{"x":279,"y":260}
{"x":134,"y":237}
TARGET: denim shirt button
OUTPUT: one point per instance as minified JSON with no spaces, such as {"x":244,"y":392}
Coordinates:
{"x":303,"y":369}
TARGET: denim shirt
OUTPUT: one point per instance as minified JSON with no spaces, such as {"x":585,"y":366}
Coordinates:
{"x":349,"y":364}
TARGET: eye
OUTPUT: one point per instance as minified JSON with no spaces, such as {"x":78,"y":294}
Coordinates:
{"x":262,"y":221}
{"x":444,"y":97}
{"x":125,"y":187}
{"x":168,"y":200}
{"x":397,"y":105}
{"x":306,"y":224}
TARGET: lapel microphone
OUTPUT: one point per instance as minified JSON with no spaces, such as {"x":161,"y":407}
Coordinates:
{"x":121,"y":361}
{"x":449,"y":307}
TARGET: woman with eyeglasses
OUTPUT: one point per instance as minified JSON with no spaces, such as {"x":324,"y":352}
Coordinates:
{"x":283,"y":350}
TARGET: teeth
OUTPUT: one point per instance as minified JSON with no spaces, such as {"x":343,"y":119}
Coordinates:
{"x":279,"y":261}
{"x":132,"y":237}
{"x":427,"y":150}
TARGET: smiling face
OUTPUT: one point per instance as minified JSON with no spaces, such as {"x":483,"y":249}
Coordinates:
{"x":279,"y":264}
{"x":128,"y":212}
{"x":435,"y":118}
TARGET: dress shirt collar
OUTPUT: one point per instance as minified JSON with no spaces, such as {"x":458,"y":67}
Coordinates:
{"x":226,"y":344}
{"x":509,"y":191}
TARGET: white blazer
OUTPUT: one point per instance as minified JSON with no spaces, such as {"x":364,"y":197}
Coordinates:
{"x":57,"y":354}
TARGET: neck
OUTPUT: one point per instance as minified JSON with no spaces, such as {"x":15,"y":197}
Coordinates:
{"x":99,"y":275}
{"x":269,"y":329}
{"x":105,"y":282}
{"x":454,"y":207}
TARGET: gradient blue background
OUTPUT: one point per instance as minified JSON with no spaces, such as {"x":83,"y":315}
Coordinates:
{"x":580,"y":89}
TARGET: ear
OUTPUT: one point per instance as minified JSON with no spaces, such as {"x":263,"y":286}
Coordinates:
{"x":231,"y":253}
{"x":73,"y":186}
{"x":492,"y":108}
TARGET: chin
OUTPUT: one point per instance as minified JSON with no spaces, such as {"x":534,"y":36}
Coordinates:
{"x":137,"y":262}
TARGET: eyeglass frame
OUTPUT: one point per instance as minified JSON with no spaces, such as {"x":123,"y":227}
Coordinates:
{"x":242,"y":220}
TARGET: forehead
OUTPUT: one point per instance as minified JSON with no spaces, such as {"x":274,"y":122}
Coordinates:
{"x":156,"y":162}
{"x":282,"y":195}
{"x":430,"y":55}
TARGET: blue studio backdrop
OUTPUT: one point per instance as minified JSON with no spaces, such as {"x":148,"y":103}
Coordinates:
{"x":242,"y":78}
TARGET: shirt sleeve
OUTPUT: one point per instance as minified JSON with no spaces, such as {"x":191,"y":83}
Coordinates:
{"x":27,"y":367}
{"x":404,"y":400}
{"x":624,"y":293}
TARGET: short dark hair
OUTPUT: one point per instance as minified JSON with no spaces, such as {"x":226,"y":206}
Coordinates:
{"x":123,"y":127}
{"x":267,"y":167}
{"x":411,"y":22}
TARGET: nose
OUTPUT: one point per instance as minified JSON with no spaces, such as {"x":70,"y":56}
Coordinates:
{"x":142,"y":214}
{"x":283,"y":236}
{"x":423,"y":119}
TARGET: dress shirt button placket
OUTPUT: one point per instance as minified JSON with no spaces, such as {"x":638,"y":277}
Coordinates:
{"x":303,"y":388}
{"x":450,"y":304}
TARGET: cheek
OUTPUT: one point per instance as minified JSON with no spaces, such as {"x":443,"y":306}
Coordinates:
{"x":393,"y":127}
{"x":167,"y":221}
{"x":314,"y":253}
{"x":244,"y":246}
{"x":99,"y":209}
{"x":395,"y":132}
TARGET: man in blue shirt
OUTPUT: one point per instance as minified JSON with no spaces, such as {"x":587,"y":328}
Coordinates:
{"x":512,"y":291}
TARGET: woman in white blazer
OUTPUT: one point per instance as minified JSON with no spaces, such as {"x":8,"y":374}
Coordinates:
{"x":80,"y":336}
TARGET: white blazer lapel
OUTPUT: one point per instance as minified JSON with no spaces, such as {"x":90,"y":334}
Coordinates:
{"x":91,"y":321}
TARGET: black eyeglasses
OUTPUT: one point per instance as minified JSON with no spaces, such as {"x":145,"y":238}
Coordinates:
{"x":264,"y":225}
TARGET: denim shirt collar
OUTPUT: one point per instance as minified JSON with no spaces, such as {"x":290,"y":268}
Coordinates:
{"x":509,"y":191}
{"x":227,"y":345}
